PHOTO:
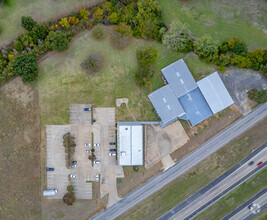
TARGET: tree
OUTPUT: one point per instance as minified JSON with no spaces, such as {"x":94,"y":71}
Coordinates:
{"x":259,"y":96}
{"x":39,"y":32}
{"x":113,"y":18}
{"x":69,"y":197}
{"x":178,"y":37}
{"x":28,"y":23}
{"x":57,"y":41}
{"x":98,"y":14}
{"x":84,"y":14}
{"x":19,"y":46}
{"x":124,"y":29}
{"x":206,"y":47}
{"x":146,"y":59}
{"x":26,"y":66}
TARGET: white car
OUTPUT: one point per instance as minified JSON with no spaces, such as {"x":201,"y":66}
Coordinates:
{"x":97,"y":162}
{"x":96,"y":145}
{"x":73,"y":165}
{"x":97,"y":178}
{"x":88,"y":151}
{"x":87,"y":145}
{"x":73,"y":175}
{"x":112,"y":154}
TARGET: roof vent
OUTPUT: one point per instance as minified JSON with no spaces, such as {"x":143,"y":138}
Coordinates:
{"x":197,"y":113}
{"x":123,"y":153}
{"x":178,"y":74}
{"x":164,"y":100}
{"x":126,"y":129}
{"x":182,"y":81}
{"x":189,"y":97}
{"x":168,"y":107}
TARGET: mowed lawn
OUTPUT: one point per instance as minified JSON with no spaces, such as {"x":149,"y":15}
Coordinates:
{"x":222,"y":19}
{"x":40,"y":10}
{"x":62,"y":81}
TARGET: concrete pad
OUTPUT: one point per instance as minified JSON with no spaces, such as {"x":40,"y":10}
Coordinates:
{"x":78,"y":115}
{"x":160,"y":142}
{"x":167,"y":162}
{"x":119,"y":171}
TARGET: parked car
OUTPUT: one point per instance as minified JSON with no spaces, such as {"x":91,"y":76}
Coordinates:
{"x":112,"y":150}
{"x":112,"y":154}
{"x":87,"y":109}
{"x":74,"y":162}
{"x":96,"y":145}
{"x":251,"y":206}
{"x":73,"y":165}
{"x":97,"y":162}
{"x":73,"y":175}
{"x":94,"y":120}
{"x":97,"y":178}
{"x":112,"y":143}
{"x":49,"y":169}
{"x":259,"y":164}
{"x":87,"y":145}
{"x":88,"y":151}
{"x":251,"y":163}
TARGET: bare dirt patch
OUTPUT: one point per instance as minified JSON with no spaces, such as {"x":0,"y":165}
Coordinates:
{"x":205,"y":130}
{"x":19,"y":152}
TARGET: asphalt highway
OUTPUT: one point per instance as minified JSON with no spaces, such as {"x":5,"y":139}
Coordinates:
{"x":242,"y":212}
{"x":214,"y":185}
{"x":157,"y":182}
{"x":217,"y":189}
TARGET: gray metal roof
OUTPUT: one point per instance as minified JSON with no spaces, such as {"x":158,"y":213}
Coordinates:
{"x":215,"y":92}
{"x":166,"y":104}
{"x":179,"y":78}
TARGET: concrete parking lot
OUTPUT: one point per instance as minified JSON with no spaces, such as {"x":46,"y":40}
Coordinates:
{"x":101,"y":132}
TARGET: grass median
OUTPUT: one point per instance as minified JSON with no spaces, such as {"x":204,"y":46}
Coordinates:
{"x":236,"y":197}
{"x":199,"y":176}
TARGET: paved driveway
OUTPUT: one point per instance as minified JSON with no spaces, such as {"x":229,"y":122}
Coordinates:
{"x":78,"y":115}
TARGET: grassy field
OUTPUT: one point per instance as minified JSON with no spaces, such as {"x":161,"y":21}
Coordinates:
{"x":199,"y":176}
{"x":223,"y":19}
{"x":40,"y":10}
{"x":62,"y":81}
{"x":19,"y":152}
{"x":235,"y":198}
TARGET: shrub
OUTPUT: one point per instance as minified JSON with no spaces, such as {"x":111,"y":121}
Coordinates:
{"x":3,"y":2}
{"x":57,"y":41}
{"x":28,"y":23}
{"x":178,"y":37}
{"x":26,"y":66}
{"x":93,"y":63}
{"x":73,"y":20}
{"x":64,"y":23}
{"x":206,"y":47}
{"x":84,"y":14}
{"x":147,"y":56}
{"x":259,"y":96}
{"x":70,"y":188}
{"x":99,"y":31}
{"x":121,"y":34}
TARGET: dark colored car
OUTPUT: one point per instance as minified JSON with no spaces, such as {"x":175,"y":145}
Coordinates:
{"x":94,"y":120}
{"x":251,"y":163}
{"x":49,"y":169}
{"x":87,"y":109}
{"x":112,"y":150}
{"x":112,"y":143}
{"x":74,"y":162}
{"x":259,"y":164}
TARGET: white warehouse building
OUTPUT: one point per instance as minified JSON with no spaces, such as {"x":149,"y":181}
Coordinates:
{"x":130,"y":144}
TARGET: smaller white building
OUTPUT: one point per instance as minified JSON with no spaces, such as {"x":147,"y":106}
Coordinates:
{"x":130,"y":144}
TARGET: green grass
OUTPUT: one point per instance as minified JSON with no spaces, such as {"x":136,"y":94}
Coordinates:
{"x":198,"y":68}
{"x":235,"y":198}
{"x":199,"y":176}
{"x":222,"y":19}
{"x":62,"y":81}
{"x":40,"y":10}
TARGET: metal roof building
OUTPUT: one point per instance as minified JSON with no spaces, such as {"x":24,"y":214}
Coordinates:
{"x":184,"y":98}
{"x":215,"y":92}
{"x":130,"y":144}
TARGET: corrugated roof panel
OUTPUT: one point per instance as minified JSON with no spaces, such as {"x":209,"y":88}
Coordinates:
{"x":179,"y":78}
{"x":215,"y":92}
{"x":169,"y":110}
